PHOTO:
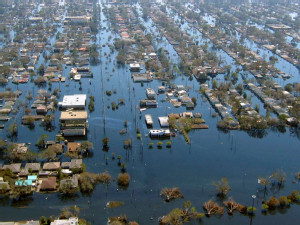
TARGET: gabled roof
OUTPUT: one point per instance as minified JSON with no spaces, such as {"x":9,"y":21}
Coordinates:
{"x":15,"y":167}
{"x":51,"y":166}
{"x":73,"y":181}
{"x":76,"y":164}
{"x":34,"y":166}
{"x":49,"y":184}
{"x":23,"y":173}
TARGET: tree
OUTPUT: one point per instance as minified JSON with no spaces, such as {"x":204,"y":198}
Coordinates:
{"x":272,"y":203}
{"x":214,"y":84}
{"x":41,"y":69}
{"x":288,"y":87}
{"x":283,"y":201}
{"x":87,"y":181}
{"x":105,"y":177}
{"x":41,"y":143}
{"x":20,"y":191}
{"x":12,"y":130}
{"x":222,"y":187}
{"x":68,"y":189}
{"x":264,"y":181}
{"x":294,"y":196}
{"x":43,"y":220}
{"x":171,"y":193}
{"x":72,"y":211}
{"x":30,"y":122}
{"x":123,"y":167}
{"x":280,"y":177}
{"x":212,"y":207}
{"x":105,"y":141}
{"x":47,"y":121}
{"x":194,"y":100}
{"x":48,"y":154}
{"x":180,"y":216}
{"x":123,"y":179}
{"x":86,"y":146}
{"x":91,"y":104}
{"x":119,"y":160}
{"x":231,"y":205}
{"x":5,"y":70}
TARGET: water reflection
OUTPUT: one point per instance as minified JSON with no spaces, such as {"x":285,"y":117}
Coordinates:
{"x":257,"y":133}
{"x":68,"y":198}
{"x":22,"y":202}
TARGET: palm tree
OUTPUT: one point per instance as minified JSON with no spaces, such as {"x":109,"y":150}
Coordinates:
{"x":119,"y":158}
{"x":105,"y":141}
{"x":123,"y":165}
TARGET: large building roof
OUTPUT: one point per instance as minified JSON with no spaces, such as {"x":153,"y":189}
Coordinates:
{"x":73,"y":101}
{"x":73,"y":115}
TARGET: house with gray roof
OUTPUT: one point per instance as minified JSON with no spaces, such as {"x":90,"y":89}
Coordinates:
{"x":15,"y":167}
{"x":51,"y":166}
{"x":35,"y":167}
{"x":73,"y":182}
{"x":76,"y":164}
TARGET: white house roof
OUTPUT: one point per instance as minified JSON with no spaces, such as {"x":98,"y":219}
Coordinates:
{"x":163,"y":120}
{"x":134,"y":65}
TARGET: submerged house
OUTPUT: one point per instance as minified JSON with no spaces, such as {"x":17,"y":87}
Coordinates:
{"x":159,"y":133}
{"x":70,"y":221}
{"x":34,"y":167}
{"x":148,"y":103}
{"x":149,"y":120}
{"x":150,"y":93}
{"x":76,"y":164}
{"x":73,"y":146}
{"x":49,"y":184}
{"x":74,"y":123}
{"x":15,"y":167}
{"x":51,"y":166}
{"x":142,"y":77}
{"x":135,"y":67}
{"x":72,"y":182}
{"x":73,"y":101}
{"x":163,"y":121}
{"x":20,"y":148}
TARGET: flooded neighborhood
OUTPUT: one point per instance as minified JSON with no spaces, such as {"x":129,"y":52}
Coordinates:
{"x":149,"y":112}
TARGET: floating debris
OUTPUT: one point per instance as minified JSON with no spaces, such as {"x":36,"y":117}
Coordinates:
{"x":114,"y":204}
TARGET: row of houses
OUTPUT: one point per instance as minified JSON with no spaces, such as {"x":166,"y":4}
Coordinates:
{"x":40,"y":168}
{"x":42,"y":178}
{"x":182,"y":97}
{"x":70,"y":221}
{"x":221,"y":109}
{"x":270,"y":102}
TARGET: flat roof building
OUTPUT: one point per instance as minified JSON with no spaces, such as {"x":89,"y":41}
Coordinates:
{"x":73,"y":101}
{"x":163,"y":121}
{"x":73,"y":115}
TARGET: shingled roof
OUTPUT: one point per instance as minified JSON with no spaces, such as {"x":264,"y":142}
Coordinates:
{"x":15,"y":167}
{"x":49,"y":184}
